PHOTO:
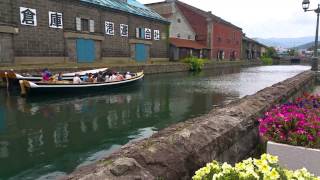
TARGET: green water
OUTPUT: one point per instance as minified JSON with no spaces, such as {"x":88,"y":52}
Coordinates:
{"x":48,"y":137}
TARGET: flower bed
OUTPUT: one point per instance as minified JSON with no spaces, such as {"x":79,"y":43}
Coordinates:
{"x":265,"y":168}
{"x":296,"y":123}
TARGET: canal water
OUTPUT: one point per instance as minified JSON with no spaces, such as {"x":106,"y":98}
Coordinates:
{"x":47,"y":137}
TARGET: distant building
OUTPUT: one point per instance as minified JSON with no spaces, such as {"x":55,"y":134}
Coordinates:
{"x":68,"y":31}
{"x":252,"y":49}
{"x":205,"y":34}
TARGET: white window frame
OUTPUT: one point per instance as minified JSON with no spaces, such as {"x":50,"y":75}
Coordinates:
{"x":78,"y":24}
{"x":91,"y":25}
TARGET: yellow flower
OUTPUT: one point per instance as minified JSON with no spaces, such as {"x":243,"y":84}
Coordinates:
{"x":265,"y":169}
{"x":264,"y":156}
{"x":226,"y":168}
{"x":273,"y":159}
{"x":288,"y":173}
{"x":273,"y":175}
{"x":248,"y":161}
{"x":217,"y":176}
{"x":240,"y":167}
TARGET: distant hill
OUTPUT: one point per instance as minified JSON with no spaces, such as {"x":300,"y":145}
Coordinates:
{"x":285,"y":42}
{"x":305,"y":46}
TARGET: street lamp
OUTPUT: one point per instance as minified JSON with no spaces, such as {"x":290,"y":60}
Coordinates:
{"x":305,"y":7}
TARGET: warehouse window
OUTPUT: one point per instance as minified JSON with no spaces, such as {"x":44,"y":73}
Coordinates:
{"x":140,"y":33}
{"x":83,"y":24}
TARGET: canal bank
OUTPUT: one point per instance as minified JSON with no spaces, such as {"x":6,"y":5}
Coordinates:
{"x":148,"y":68}
{"x":225,"y":134}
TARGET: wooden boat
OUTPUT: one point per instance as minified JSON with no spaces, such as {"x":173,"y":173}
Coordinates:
{"x":64,"y":87}
{"x":11,"y":78}
{"x":66,"y":76}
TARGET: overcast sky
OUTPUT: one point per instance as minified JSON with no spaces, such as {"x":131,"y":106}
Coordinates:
{"x":262,"y":18}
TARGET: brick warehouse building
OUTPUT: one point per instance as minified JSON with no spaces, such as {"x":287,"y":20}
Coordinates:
{"x":222,"y":38}
{"x":63,"y":31}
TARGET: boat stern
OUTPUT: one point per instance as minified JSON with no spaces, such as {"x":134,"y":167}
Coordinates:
{"x":25,"y":86}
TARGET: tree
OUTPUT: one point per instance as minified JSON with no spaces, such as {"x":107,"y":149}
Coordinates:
{"x":292,"y":52}
{"x":271,"y":52}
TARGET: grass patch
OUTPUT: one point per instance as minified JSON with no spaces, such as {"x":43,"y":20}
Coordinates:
{"x":196,"y":64}
{"x":266,"y":61}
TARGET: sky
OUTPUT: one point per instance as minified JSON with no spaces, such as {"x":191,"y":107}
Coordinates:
{"x":262,"y":18}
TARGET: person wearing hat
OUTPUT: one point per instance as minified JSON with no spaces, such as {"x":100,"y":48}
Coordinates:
{"x":128,"y":75}
{"x":76,"y":79}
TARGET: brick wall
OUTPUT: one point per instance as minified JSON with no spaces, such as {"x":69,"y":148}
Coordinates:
{"x":6,"y":52}
{"x":42,"y":41}
{"x":226,"y":38}
{"x":6,"y":12}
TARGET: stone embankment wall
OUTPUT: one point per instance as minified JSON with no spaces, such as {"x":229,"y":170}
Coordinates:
{"x":148,"y":68}
{"x":226,"y":134}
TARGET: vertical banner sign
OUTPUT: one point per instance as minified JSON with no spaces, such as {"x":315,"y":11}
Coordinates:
{"x":124,"y":30}
{"x":156,"y":35}
{"x":28,"y":17}
{"x":55,"y":20}
{"x":147,"y":33}
{"x":109,"y":28}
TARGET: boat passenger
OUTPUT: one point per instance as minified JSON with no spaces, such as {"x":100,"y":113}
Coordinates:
{"x":85,"y":77}
{"x":60,"y":76}
{"x":100,"y":77}
{"x":113,"y":77}
{"x":46,"y":74}
{"x":128,"y":75}
{"x":109,"y":72}
{"x":119,"y":77}
{"x":90,"y":78}
{"x":76,"y":79}
{"x":107,"y":78}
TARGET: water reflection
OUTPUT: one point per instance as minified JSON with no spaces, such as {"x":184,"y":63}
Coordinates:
{"x":53,"y":135}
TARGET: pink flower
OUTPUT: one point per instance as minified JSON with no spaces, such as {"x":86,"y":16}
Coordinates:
{"x":310,"y":137}
{"x":296,"y":123}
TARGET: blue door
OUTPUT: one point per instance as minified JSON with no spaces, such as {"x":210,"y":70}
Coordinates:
{"x":85,"y":51}
{"x":141,"y":53}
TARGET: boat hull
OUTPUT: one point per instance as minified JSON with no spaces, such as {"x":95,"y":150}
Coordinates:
{"x":36,"y":89}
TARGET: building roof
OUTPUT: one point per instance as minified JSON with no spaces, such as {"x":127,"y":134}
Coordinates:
{"x":131,"y":6}
{"x":183,"y":43}
{"x":207,"y":14}
{"x":203,"y":13}
{"x":245,"y":38}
